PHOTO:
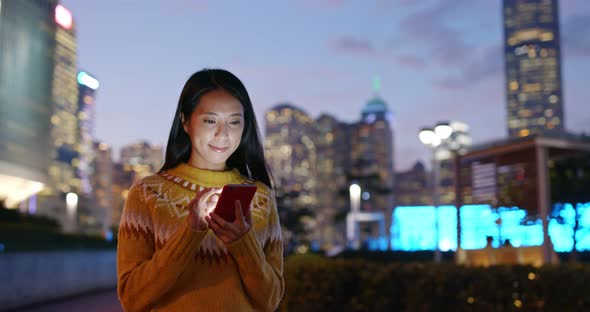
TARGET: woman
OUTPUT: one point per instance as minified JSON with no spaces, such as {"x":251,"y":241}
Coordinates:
{"x":174,"y":253}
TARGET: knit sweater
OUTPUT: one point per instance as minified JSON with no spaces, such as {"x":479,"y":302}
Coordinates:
{"x":163,"y":265}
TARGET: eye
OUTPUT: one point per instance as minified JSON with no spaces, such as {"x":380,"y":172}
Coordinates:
{"x":209,"y":121}
{"x":235,"y":122}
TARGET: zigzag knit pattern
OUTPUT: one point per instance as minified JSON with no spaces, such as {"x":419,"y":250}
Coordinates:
{"x":159,"y":253}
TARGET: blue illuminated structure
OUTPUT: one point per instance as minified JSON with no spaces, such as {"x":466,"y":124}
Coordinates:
{"x":413,"y":227}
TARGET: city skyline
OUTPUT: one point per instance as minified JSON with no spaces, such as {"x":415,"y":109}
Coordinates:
{"x":437,"y":60}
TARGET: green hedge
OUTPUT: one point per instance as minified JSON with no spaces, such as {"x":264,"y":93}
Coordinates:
{"x":33,"y":237}
{"x":316,"y":283}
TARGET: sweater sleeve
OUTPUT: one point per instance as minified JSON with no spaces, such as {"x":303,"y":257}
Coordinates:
{"x":144,"y":274}
{"x":261,"y":268}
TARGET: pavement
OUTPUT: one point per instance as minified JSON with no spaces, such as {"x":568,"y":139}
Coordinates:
{"x":103,"y":301}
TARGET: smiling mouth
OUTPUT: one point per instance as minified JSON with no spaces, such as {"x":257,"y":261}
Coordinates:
{"x":218,"y":149}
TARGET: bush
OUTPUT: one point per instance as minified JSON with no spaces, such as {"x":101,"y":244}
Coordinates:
{"x":26,"y":237}
{"x":315,"y":283}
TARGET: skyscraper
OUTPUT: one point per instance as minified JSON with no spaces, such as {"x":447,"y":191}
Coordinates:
{"x":372,"y":160}
{"x":27,"y":38}
{"x":533,"y":67}
{"x":142,"y":159}
{"x":87,"y":86}
{"x":291,"y":151}
{"x":291,"y":155}
{"x":333,"y":162}
{"x":64,"y":120}
{"x":102,"y":185}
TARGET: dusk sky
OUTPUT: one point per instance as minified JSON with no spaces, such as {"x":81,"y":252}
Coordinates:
{"x":436,"y":59}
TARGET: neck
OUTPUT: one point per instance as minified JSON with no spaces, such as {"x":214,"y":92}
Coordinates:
{"x":195,"y":162}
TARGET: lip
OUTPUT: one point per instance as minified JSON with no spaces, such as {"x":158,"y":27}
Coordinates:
{"x":218,"y":149}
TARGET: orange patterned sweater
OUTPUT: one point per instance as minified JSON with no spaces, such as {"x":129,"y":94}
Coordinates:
{"x":163,"y":265}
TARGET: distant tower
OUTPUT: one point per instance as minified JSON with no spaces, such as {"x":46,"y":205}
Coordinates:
{"x":86,"y":102}
{"x":292,"y":156}
{"x":333,"y":162}
{"x":65,"y":157}
{"x":372,"y":157}
{"x":142,"y":158}
{"x":102,"y":185}
{"x":533,"y":67}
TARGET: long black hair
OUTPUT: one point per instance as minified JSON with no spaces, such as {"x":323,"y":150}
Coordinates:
{"x":248,"y":158}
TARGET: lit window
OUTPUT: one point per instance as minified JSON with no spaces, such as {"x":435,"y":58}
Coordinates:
{"x":532,"y":53}
{"x":524,"y":132}
{"x":547,"y":36}
{"x":544,"y":53}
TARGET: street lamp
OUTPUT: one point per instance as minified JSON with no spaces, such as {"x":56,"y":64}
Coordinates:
{"x":444,"y":137}
{"x":355,"y":196}
{"x":71,"y":207}
{"x":433,"y":138}
{"x":353,"y":230}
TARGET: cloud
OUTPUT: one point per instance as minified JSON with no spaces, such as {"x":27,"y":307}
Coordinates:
{"x":576,"y":35}
{"x":427,"y":27}
{"x":410,"y":61}
{"x":488,"y":64}
{"x":388,"y":4}
{"x":348,"y":44}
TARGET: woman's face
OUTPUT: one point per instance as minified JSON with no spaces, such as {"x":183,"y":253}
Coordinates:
{"x":215,"y":129}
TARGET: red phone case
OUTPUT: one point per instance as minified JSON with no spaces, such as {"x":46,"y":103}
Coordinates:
{"x":225,"y":207}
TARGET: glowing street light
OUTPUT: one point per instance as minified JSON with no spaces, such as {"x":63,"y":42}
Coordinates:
{"x":355,"y":197}
{"x":443,"y":139}
{"x":71,"y":207}
{"x":443,"y":130}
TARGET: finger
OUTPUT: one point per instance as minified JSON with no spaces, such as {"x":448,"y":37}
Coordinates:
{"x":214,"y":198}
{"x":249,"y":217}
{"x":213,"y":225}
{"x":239,"y":213}
{"x":205,"y":196}
{"x":223,"y":234}
{"x":224,"y":224}
{"x":211,"y":191}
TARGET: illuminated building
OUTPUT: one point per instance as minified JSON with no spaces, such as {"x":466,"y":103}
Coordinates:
{"x":533,"y":67}
{"x":138,"y":160}
{"x":291,"y":151}
{"x":142,"y":159}
{"x":27,"y":32}
{"x":102,"y":185}
{"x":87,"y":86}
{"x":333,"y":158}
{"x":528,"y":177}
{"x":122,"y":181}
{"x":291,"y":155}
{"x":411,"y":187}
{"x":372,"y":162}
{"x":526,"y":190}
{"x":64,"y":120}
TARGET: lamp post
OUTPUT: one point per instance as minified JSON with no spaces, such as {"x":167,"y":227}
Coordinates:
{"x":355,"y":207}
{"x":71,"y":211}
{"x":433,"y":139}
{"x":445,"y":137}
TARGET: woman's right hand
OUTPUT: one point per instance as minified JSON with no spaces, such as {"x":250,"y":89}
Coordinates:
{"x":203,"y":203}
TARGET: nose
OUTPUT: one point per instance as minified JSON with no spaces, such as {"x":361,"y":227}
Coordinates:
{"x":221,"y":131}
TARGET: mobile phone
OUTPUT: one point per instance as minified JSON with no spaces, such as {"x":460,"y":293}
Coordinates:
{"x":226,"y":208}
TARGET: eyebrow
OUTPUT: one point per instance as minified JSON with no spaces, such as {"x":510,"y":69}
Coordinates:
{"x":216,"y":114}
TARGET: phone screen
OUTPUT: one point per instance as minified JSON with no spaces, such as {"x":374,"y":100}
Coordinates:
{"x":226,"y":208}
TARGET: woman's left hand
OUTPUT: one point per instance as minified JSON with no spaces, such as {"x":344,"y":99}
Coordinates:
{"x":229,"y":232}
